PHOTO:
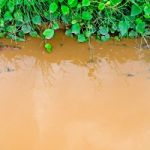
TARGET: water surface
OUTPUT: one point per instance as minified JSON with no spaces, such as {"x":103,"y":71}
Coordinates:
{"x":74,"y":98}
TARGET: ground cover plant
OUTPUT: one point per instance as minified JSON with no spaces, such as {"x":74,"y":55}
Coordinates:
{"x":83,"y":19}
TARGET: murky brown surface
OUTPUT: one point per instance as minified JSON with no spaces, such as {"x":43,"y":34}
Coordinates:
{"x":61,"y":101}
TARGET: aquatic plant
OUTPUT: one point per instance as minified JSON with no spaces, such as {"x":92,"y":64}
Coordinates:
{"x":82,"y":18}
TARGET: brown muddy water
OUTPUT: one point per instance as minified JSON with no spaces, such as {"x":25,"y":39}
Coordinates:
{"x":65,"y":101}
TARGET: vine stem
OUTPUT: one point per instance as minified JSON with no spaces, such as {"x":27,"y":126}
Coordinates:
{"x":148,"y":46}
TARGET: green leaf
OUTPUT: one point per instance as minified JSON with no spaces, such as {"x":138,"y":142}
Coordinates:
{"x":33,"y":34}
{"x":48,"y":33}
{"x":60,"y":1}
{"x":72,"y":3}
{"x":74,"y":21}
{"x":19,"y":2}
{"x":86,"y":15}
{"x":123,"y":27}
{"x":85,"y":2}
{"x":26,"y":29}
{"x":48,"y":47}
{"x":101,"y":6}
{"x":2,"y":3}
{"x":140,"y":27}
{"x":2,"y":22}
{"x":11,"y":5}
{"x":53,"y":7}
{"x":16,"y":38}
{"x":18,"y":15}
{"x":133,"y":34}
{"x":117,"y":38}
{"x":21,"y":34}
{"x":79,"y":6}
{"x":105,"y":37}
{"x":8,"y":16}
{"x":135,"y":10}
{"x":37,"y":20}
{"x":115,"y":2}
{"x":138,"y":20}
{"x":76,"y":28}
{"x":55,"y":26}
{"x":147,"y":9}
{"x":82,"y":38}
{"x":69,"y":33}
{"x":87,"y":33}
{"x":26,"y":19}
{"x":65,"y":9}
{"x":2,"y":35}
{"x":11,"y":29}
{"x":103,"y":30}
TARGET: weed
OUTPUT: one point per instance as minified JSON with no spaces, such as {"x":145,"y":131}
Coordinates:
{"x":83,"y":18}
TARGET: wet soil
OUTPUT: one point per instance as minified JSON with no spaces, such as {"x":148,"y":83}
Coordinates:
{"x":65,"y":101}
{"x":8,"y":47}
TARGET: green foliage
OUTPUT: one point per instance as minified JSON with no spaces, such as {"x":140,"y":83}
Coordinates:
{"x":2,"y":3}
{"x":82,"y":38}
{"x":83,"y":18}
{"x":53,"y":7}
{"x":86,"y":15}
{"x":48,"y":48}
{"x":101,"y":6}
{"x":135,"y":10}
{"x":85,"y":2}
{"x":48,"y":33}
{"x":65,"y":9}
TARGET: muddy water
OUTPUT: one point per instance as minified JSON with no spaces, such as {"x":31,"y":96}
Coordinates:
{"x":73,"y":98}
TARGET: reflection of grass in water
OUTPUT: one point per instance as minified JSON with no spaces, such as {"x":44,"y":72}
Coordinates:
{"x":91,"y":48}
{"x":143,"y":44}
{"x":46,"y":71}
{"x":147,"y":43}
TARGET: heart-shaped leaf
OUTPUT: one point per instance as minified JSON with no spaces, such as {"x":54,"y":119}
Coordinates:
{"x":48,"y":33}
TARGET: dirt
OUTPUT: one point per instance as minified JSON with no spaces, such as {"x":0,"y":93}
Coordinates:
{"x":8,"y":47}
{"x":63,"y":101}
